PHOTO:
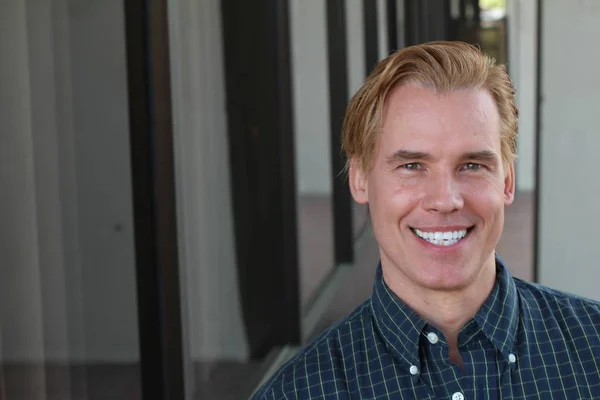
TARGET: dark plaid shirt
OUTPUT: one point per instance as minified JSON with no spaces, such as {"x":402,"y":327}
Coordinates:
{"x":526,"y":342}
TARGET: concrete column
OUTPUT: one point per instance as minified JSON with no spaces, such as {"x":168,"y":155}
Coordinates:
{"x":522,"y":36}
{"x":569,"y":185}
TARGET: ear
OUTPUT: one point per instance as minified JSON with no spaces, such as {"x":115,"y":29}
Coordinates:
{"x":359,"y":182}
{"x":509,"y":184}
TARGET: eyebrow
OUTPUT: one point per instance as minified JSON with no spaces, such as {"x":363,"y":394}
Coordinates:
{"x":407,"y":155}
{"x":410,"y":155}
{"x":484,"y":155}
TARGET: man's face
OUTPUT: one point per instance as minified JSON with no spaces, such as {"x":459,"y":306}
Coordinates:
{"x":437,"y":188}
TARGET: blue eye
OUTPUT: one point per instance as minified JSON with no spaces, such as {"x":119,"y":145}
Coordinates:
{"x":472,"y":166}
{"x":412,"y":166}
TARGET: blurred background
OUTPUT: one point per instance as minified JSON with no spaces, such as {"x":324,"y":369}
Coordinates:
{"x":175,"y":224}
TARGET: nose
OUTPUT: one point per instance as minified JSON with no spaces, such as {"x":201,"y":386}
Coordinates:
{"x":443,"y":194}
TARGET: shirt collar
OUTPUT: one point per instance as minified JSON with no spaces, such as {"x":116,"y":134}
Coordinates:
{"x":401,"y":327}
{"x":498,"y":317}
{"x":398,"y":324}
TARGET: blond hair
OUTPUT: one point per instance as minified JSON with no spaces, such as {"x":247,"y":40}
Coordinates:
{"x":443,"y":66}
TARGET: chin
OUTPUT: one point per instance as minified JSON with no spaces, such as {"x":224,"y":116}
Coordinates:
{"x":446,"y":285}
{"x":445,"y":276}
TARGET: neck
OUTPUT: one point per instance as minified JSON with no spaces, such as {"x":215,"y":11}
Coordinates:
{"x":447,"y":310}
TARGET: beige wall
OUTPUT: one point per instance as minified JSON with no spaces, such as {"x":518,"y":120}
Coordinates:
{"x":522,"y":36}
{"x":569,"y":186}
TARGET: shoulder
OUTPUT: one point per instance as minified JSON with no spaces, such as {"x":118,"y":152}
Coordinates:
{"x":544,"y":293}
{"x":319,"y":368}
{"x":545,"y":302}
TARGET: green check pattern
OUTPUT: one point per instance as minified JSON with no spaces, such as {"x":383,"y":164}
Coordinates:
{"x":526,"y":342}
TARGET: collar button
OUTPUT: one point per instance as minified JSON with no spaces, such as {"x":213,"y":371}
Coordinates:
{"x":432,"y":337}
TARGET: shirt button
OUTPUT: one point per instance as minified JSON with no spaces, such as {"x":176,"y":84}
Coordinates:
{"x":432,"y":337}
{"x":414,"y":369}
{"x":458,"y":396}
{"x":512,"y":358}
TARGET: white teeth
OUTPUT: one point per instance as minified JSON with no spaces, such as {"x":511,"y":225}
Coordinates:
{"x":447,"y":238}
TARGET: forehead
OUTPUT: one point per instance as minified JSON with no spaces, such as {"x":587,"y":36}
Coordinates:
{"x":419,"y":116}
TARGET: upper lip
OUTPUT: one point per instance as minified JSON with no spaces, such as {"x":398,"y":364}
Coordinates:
{"x":447,"y":228}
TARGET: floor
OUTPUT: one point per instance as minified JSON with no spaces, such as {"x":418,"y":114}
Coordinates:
{"x":60,"y":382}
{"x":228,"y":380}
{"x":120,"y":382}
{"x":517,"y":241}
{"x":315,"y":241}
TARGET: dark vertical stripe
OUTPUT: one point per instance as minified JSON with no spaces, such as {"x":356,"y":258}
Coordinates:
{"x":476,"y":13}
{"x":153,"y":187}
{"x":538,"y":144}
{"x":463,"y":10}
{"x":371,"y":35}
{"x":445,"y":21}
{"x":426,"y":24}
{"x":261,"y":152}
{"x":507,"y":28}
{"x":291,"y":311}
{"x":338,"y":98}
{"x":411,"y":22}
{"x":392,"y":25}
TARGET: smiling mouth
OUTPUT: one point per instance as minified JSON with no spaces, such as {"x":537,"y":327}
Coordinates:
{"x":442,"y":238}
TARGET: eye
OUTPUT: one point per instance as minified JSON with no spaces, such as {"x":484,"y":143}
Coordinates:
{"x":472,"y":166}
{"x":411,"y":166}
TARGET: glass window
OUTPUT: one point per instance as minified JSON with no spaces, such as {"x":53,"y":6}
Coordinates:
{"x":312,"y":131}
{"x":68,"y":315}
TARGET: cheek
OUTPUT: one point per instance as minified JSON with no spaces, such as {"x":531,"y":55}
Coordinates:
{"x":485,"y":195}
{"x":396,"y":199}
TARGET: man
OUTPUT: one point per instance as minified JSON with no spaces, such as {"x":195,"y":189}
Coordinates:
{"x":431,"y":141}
